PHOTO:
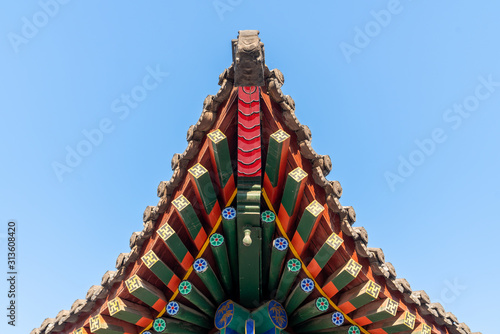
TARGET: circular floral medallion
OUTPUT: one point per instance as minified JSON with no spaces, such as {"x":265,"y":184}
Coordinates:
{"x":277,"y":314}
{"x":354,"y":330}
{"x":281,"y":243}
{"x":172,"y":308}
{"x":216,"y":239}
{"x":337,"y":318}
{"x":185,"y":287}
{"x":224,"y":314}
{"x":159,"y":325}
{"x":307,"y":284}
{"x":294,"y":265}
{"x":322,"y":304}
{"x":229,"y":213}
{"x":268,"y":216}
{"x":200,"y":265}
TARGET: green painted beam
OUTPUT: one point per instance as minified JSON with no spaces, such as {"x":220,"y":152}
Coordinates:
{"x":191,"y":293}
{"x":176,"y":246}
{"x":268,"y":222}
{"x":306,"y":226}
{"x":205,"y":192}
{"x":207,"y":275}
{"x":229,"y":228}
{"x":310,"y":310}
{"x":146,"y":292}
{"x":402,"y":323}
{"x":301,"y":291}
{"x":341,"y":277}
{"x":278,"y":254}
{"x":161,"y":270}
{"x":130,"y":312}
{"x":187,"y":314}
{"x":358,"y":296}
{"x":376,"y":311}
{"x":219,"y":250}
{"x":190,"y":220}
{"x":173,"y":326}
{"x":290,"y":272}
{"x":292,"y":194}
{"x":221,"y":162}
{"x":324,"y":254}
{"x":277,"y":153}
{"x":103,"y":324}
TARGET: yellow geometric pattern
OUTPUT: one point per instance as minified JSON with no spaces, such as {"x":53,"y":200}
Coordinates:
{"x":298,"y":174}
{"x":280,"y":136}
{"x":150,"y":258}
{"x":426,"y":329}
{"x":180,"y":202}
{"x":315,"y":208}
{"x":80,"y":330}
{"x":216,"y":136}
{"x":392,"y":307}
{"x":115,"y":305}
{"x":95,"y":323}
{"x":197,"y":170}
{"x":409,"y":320}
{"x":353,"y":268}
{"x":373,"y":289}
{"x":133,"y":283}
{"x":165,"y":232}
{"x":334,"y":241}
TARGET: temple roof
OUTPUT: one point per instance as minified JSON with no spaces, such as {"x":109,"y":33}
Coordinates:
{"x":278,"y":114}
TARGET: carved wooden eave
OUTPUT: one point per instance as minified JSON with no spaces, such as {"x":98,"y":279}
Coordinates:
{"x":349,"y":279}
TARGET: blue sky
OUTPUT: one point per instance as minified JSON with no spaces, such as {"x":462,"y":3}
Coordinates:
{"x":403,"y":96}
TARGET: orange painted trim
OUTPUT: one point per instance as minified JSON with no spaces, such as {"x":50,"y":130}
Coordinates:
{"x":228,"y":190}
{"x":159,"y":305}
{"x":314,"y":268}
{"x":143,"y":322}
{"x":174,"y":283}
{"x":330,"y":289}
{"x":347,"y":307}
{"x":200,"y":239}
{"x":284,"y":218}
{"x":187,"y":261}
{"x":298,"y":243}
{"x":214,"y":215}
{"x":363,"y":321}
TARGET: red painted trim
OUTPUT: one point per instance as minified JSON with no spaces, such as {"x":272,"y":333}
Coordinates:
{"x":249,"y":137}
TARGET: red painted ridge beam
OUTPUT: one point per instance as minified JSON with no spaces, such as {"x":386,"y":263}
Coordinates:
{"x":249,"y":138}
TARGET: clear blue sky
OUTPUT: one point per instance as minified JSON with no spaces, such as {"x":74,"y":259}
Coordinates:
{"x":402,"y":95}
